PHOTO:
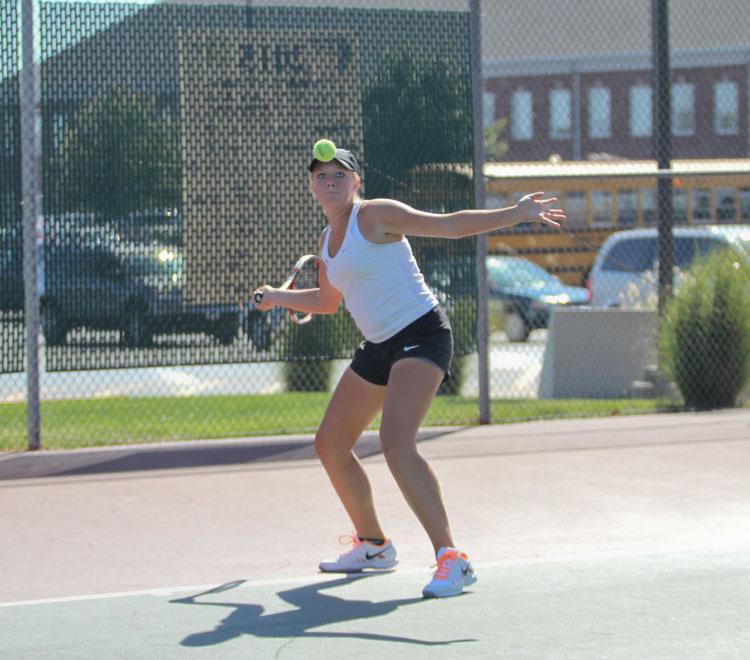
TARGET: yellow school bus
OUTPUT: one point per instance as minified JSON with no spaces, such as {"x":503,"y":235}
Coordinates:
{"x":605,"y":196}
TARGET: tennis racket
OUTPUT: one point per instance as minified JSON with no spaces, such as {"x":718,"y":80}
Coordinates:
{"x":305,"y":275}
{"x":190,"y":600}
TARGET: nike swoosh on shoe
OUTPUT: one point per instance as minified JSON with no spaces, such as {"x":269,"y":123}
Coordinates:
{"x":368,"y":556}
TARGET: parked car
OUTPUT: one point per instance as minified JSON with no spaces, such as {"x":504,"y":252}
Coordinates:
{"x":450,"y":277}
{"x":624,"y":272}
{"x":11,"y":270}
{"x":138,"y":291}
{"x":528,"y":294}
{"x":262,"y":329}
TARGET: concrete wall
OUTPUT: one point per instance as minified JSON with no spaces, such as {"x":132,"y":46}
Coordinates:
{"x":596,"y":353}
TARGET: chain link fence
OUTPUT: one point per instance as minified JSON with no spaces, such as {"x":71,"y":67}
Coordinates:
{"x":170,"y":162}
{"x":635,"y":116}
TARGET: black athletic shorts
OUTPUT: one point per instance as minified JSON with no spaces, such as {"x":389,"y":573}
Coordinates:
{"x":428,"y":338}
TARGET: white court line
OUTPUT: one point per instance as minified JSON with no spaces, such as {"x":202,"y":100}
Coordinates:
{"x":689,"y":545}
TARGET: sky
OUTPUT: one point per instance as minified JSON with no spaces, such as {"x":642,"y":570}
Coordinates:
{"x":88,"y":17}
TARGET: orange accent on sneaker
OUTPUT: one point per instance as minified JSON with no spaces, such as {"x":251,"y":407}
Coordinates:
{"x":446,"y":561}
{"x":346,"y":539}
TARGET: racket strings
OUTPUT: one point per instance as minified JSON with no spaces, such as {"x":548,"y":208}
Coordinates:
{"x":307,"y":278}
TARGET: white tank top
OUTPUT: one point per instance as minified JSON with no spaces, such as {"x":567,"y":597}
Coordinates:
{"x":383,"y":287}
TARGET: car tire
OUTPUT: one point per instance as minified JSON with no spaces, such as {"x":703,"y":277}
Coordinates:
{"x":138,"y":332}
{"x":258,"y":328}
{"x":53,"y":324}
{"x":226,"y":328}
{"x":516,"y":327}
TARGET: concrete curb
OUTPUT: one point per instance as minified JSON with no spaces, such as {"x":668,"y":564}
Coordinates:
{"x":177,"y":455}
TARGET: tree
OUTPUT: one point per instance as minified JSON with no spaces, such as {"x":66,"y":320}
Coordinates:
{"x":495,"y":147}
{"x":416,"y":112}
{"x":120,"y":155}
{"x":419,"y":148}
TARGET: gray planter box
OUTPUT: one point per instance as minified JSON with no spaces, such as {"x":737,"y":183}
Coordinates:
{"x":596,"y":353}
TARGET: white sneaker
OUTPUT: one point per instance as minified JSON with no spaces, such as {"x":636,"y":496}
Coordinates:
{"x":363,"y":555}
{"x":454,"y":572}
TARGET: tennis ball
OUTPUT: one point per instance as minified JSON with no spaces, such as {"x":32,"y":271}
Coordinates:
{"x":324,"y":150}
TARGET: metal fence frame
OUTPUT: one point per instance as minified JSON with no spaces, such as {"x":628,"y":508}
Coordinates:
{"x":32,"y":186}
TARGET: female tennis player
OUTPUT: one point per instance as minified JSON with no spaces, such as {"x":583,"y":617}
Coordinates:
{"x":368,"y":263}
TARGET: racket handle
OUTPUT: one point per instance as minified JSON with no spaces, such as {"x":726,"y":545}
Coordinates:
{"x":258,"y":298}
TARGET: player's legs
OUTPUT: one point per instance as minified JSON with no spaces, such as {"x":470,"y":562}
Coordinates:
{"x":353,"y":406}
{"x":412,"y":386}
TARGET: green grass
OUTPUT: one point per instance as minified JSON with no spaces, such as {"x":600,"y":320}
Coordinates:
{"x":116,"y":421}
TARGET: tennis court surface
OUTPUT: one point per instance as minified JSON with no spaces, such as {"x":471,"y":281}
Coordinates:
{"x":614,"y":537}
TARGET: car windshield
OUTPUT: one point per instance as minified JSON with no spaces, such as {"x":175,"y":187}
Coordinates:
{"x":516,"y":274}
{"x":686,"y":250}
{"x":641,"y":254}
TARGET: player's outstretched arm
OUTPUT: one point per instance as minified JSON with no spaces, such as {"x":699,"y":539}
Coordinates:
{"x":393,"y":217}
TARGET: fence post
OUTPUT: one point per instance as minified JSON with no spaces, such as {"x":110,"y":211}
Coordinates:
{"x":662,"y":112}
{"x":477,"y":86}
{"x":33,"y":221}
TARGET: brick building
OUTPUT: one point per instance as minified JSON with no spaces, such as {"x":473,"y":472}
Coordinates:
{"x":573,"y":78}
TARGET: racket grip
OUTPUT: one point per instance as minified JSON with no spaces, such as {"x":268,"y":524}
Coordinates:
{"x":258,"y":298}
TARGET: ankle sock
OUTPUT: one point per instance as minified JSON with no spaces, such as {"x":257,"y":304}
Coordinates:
{"x":373,"y":541}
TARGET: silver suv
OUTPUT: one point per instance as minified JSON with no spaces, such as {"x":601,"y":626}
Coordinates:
{"x":625,"y":271}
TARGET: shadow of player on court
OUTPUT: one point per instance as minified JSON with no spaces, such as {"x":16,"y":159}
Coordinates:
{"x":314,"y":609}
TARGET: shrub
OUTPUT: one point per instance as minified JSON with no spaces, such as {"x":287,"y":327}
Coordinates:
{"x":705,"y":333}
{"x":462,"y":313}
{"x":309,"y":376}
{"x":311,"y":349}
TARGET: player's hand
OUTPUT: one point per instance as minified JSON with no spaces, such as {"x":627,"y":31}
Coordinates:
{"x":263,"y":298}
{"x":537,"y":209}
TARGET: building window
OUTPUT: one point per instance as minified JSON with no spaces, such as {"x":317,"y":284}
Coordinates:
{"x":683,"y":109}
{"x":745,"y":203}
{"x":575,"y":208}
{"x":560,"y":114}
{"x":701,"y":205}
{"x":600,"y":113}
{"x":726,"y":108}
{"x":679,"y":205}
{"x":522,"y":115}
{"x":726,"y":204}
{"x":648,"y":198}
{"x":488,"y":108}
{"x":627,"y":207}
{"x":601,"y":208}
{"x":641,"y":118}
{"x":495,"y":201}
